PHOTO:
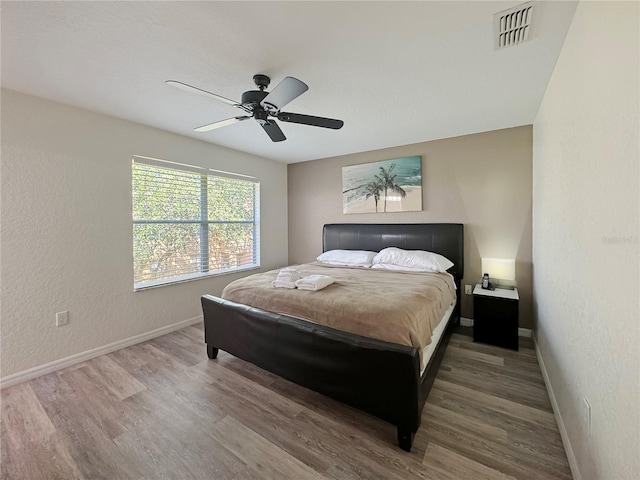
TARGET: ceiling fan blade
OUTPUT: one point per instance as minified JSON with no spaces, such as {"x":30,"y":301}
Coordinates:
{"x":273,"y":130}
{"x":310,"y":120}
{"x":221,"y":123}
{"x":191,"y":89}
{"x":287,"y":90}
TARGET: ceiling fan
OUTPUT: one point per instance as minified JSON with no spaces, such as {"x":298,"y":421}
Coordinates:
{"x":262,"y":105}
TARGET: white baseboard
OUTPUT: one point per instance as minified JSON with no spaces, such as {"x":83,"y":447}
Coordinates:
{"x":573,"y":464}
{"x":466,"y":322}
{"x":95,"y":352}
{"x":524,"y":332}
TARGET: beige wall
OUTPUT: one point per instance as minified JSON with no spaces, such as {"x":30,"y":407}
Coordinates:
{"x":67,"y":232}
{"x":586,"y":229}
{"x":482,"y":180}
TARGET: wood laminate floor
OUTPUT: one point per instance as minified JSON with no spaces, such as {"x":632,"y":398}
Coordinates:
{"x":162,"y":410}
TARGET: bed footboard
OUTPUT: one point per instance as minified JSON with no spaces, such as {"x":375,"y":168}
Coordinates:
{"x":378,"y":377}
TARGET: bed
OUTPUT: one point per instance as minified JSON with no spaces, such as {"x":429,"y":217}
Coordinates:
{"x":385,"y":379}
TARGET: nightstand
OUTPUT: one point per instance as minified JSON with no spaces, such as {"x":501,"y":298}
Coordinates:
{"x":495,"y":317}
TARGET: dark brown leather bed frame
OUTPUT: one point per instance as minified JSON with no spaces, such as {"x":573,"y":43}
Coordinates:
{"x":378,"y":377}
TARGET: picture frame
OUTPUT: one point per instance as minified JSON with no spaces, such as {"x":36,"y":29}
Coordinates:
{"x":386,"y":186}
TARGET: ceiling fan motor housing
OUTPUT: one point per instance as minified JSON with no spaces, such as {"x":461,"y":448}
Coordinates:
{"x":252,"y":98}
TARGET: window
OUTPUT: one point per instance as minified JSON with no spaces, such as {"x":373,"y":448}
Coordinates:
{"x":190,"y":222}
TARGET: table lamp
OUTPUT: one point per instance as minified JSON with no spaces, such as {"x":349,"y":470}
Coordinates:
{"x":500,"y":270}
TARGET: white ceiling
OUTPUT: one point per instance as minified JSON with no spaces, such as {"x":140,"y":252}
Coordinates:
{"x":396,"y":72}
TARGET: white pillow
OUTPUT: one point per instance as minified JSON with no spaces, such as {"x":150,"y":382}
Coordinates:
{"x":400,"y":268}
{"x":351,"y":258}
{"x":413,"y":259}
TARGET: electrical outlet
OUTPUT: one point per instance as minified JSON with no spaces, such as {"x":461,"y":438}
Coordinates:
{"x":62,"y":318}
{"x":467,"y":289}
{"x":586,"y":415}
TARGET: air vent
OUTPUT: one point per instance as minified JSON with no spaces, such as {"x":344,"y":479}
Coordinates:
{"x":512,"y":26}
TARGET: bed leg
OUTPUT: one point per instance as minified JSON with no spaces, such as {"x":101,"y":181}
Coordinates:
{"x":212,"y":352}
{"x":405,"y":438}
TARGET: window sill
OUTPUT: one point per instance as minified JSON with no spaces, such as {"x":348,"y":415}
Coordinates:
{"x":191,"y":278}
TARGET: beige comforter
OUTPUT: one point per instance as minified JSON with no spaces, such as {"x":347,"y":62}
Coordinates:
{"x":393,"y":306}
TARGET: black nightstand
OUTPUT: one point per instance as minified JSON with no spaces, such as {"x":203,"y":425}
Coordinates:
{"x":495,"y":317}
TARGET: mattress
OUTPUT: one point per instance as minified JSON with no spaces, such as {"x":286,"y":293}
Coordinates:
{"x":397,"y":307}
{"x":435,"y":338}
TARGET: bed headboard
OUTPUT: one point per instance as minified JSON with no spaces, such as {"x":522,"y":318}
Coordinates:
{"x":444,"y":238}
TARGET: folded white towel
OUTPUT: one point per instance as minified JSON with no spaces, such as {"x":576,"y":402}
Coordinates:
{"x":288,"y":274}
{"x":314,"y":282}
{"x":283,"y":284}
{"x":287,"y":279}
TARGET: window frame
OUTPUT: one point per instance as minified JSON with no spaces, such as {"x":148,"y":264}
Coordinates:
{"x":205,"y":267}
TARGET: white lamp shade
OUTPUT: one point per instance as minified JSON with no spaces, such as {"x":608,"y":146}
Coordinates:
{"x":499,"y":268}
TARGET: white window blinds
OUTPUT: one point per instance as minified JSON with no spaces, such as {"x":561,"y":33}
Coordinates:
{"x":189,"y":222}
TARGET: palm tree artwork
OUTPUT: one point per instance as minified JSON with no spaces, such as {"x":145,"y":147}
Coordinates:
{"x":374,"y":189}
{"x":388,"y":182}
{"x":378,"y":187}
